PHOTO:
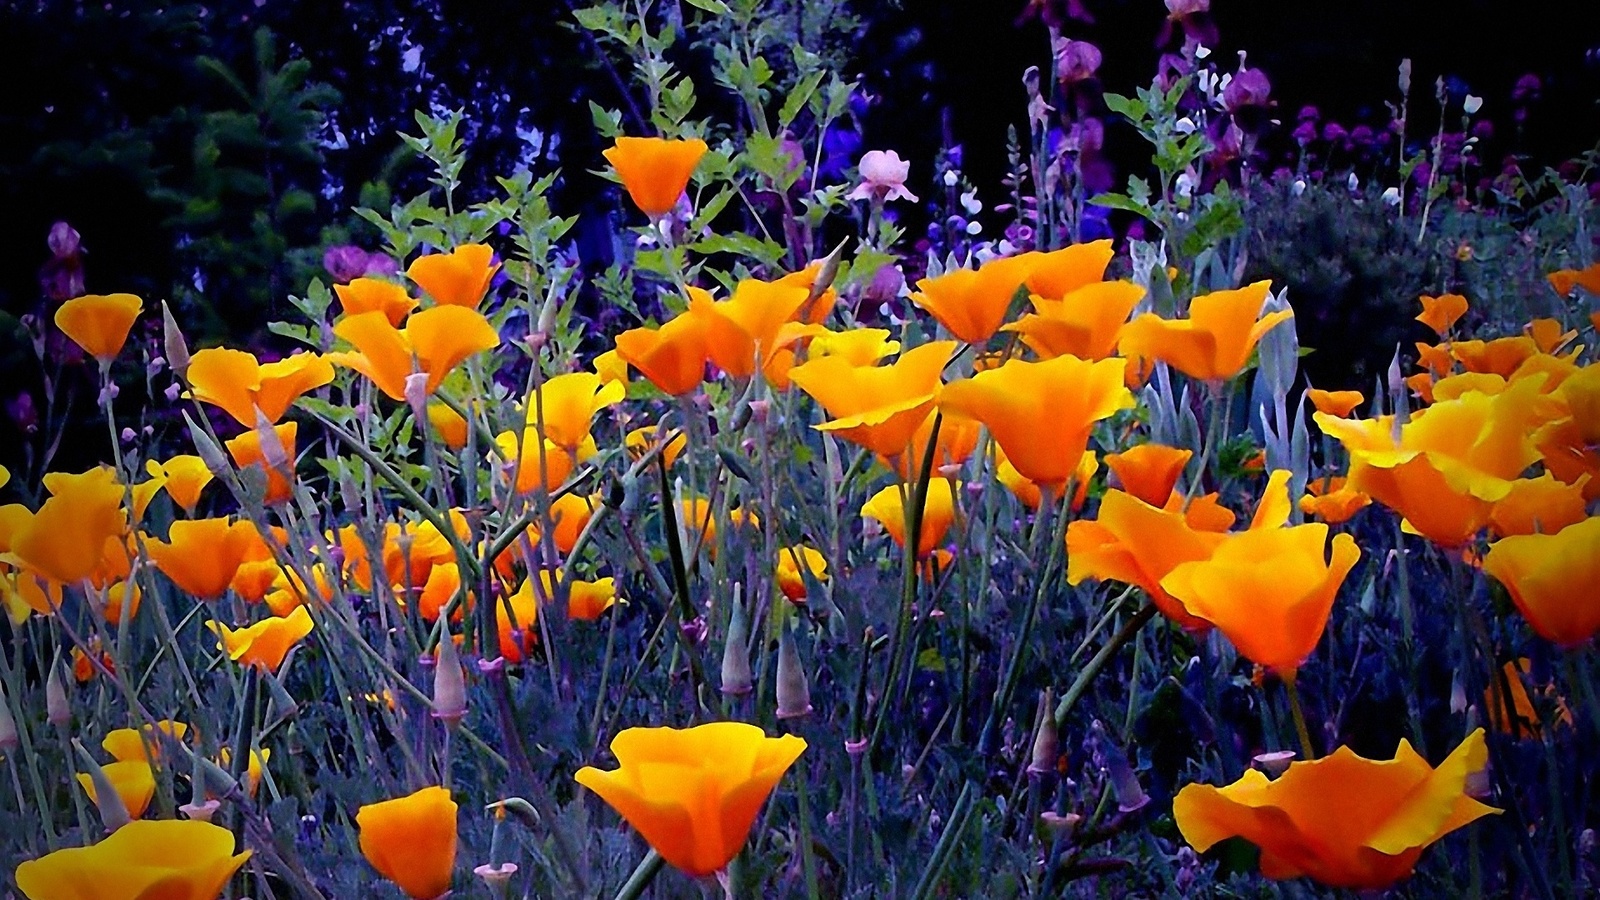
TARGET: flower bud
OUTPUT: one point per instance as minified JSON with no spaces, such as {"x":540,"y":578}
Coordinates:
{"x":273,"y":454}
{"x":1274,"y":763}
{"x":57,"y":709}
{"x":174,"y":345}
{"x":1114,"y":764}
{"x":794,"y":694}
{"x":1046,"y":743}
{"x":417,"y":395}
{"x":113,"y":812}
{"x":736,"y":677}
{"x":449,"y":682}
{"x":9,"y":739}
{"x":202,"y":811}
{"x":209,"y":452}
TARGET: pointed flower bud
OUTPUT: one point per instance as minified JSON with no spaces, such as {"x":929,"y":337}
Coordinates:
{"x":736,"y":677}
{"x":449,"y":681}
{"x":57,"y":709}
{"x":173,"y":342}
{"x":794,"y":694}
{"x":113,"y":812}
{"x":1114,"y":763}
{"x":208,"y":450}
{"x":1046,"y":742}
{"x":417,"y":394}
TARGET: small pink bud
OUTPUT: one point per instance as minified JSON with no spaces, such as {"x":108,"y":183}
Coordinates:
{"x":201,"y":812}
{"x":449,"y":683}
{"x":1274,"y":763}
{"x":57,"y":709}
{"x":794,"y":694}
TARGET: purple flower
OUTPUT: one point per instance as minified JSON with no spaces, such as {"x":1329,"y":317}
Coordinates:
{"x":1305,"y":133}
{"x":345,"y":262}
{"x":1076,"y":60}
{"x":1249,"y":87}
{"x":1334,"y":133}
{"x":1308,"y":113}
{"x":22,"y":411}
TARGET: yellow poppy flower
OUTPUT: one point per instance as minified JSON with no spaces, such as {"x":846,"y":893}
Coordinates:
{"x":411,"y":841}
{"x":234,"y":381}
{"x":267,"y":642}
{"x":694,"y":793}
{"x":458,"y":278}
{"x":655,"y":170}
{"x":99,"y":323}
{"x":1332,"y":500}
{"x":1343,"y":820}
{"x":126,"y":744}
{"x":65,"y":539}
{"x":790,"y":559}
{"x":673,"y":357}
{"x":447,"y":424}
{"x":938,"y":513}
{"x":1335,"y":403}
{"x":186,"y":859}
{"x":133,"y":780}
{"x":185,"y":476}
{"x":568,"y":403}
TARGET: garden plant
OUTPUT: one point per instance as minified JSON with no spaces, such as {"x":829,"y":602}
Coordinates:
{"x":1227,"y":529}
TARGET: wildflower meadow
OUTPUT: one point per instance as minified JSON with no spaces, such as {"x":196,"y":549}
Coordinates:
{"x":1221,"y":525}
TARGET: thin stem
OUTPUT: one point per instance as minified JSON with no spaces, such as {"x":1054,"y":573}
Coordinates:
{"x":1299,"y":717}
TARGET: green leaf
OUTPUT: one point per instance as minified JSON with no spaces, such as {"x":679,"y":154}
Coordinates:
{"x":715,"y":7}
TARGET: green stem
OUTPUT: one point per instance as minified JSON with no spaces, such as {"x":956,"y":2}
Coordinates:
{"x":642,"y":875}
{"x":1299,"y":717}
{"x":1098,"y":662}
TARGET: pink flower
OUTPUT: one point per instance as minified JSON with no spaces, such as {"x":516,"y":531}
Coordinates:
{"x":883,"y":176}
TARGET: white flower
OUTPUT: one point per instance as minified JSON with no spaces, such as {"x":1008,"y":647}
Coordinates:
{"x":950,"y":178}
{"x":974,"y":227}
{"x":1472,"y":104}
{"x":1298,"y":188}
{"x":1184,"y":186}
{"x":1353,"y":183}
{"x":1391,"y":196}
{"x":971,"y":203}
{"x":1184,"y":125}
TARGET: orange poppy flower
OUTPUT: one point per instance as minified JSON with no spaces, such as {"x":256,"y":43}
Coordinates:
{"x":1548,"y":335}
{"x":1055,"y":274}
{"x":246,"y":452}
{"x":1554,"y":579}
{"x":121,"y":597}
{"x":877,"y":407}
{"x":1085,"y":323}
{"x":185,"y":476}
{"x":458,"y":278}
{"x":938,"y":513}
{"x":434,"y":341}
{"x":186,"y":859}
{"x":201,"y":556}
{"x":99,"y":323}
{"x":655,"y":170}
{"x":134,"y":781}
{"x":1332,"y":500}
{"x":364,"y":295}
{"x":1342,"y":820}
{"x":1542,"y":505}
{"x":1041,"y":413}
{"x":1566,"y":280}
{"x":586,"y":600}
{"x":957,"y":439}
{"x":816,"y":310}
{"x":1335,"y":403}
{"x":695,"y":515}
{"x":411,"y":841}
{"x":1501,"y":356}
{"x":790,"y":559}
{"x":1149,"y":471}
{"x":568,"y":403}
{"x":1441,"y":313}
{"x":746,"y":326}
{"x":535,"y":471}
{"x":673,"y":356}
{"x":1214,"y":343}
{"x":694,"y":793}
{"x":447,"y":424}
{"x":515,"y":616}
{"x":1136,"y":543}
{"x":234,"y":381}
{"x":65,"y":540}
{"x":1268,"y":589}
{"x":970,"y":303}
{"x":266,"y":643}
